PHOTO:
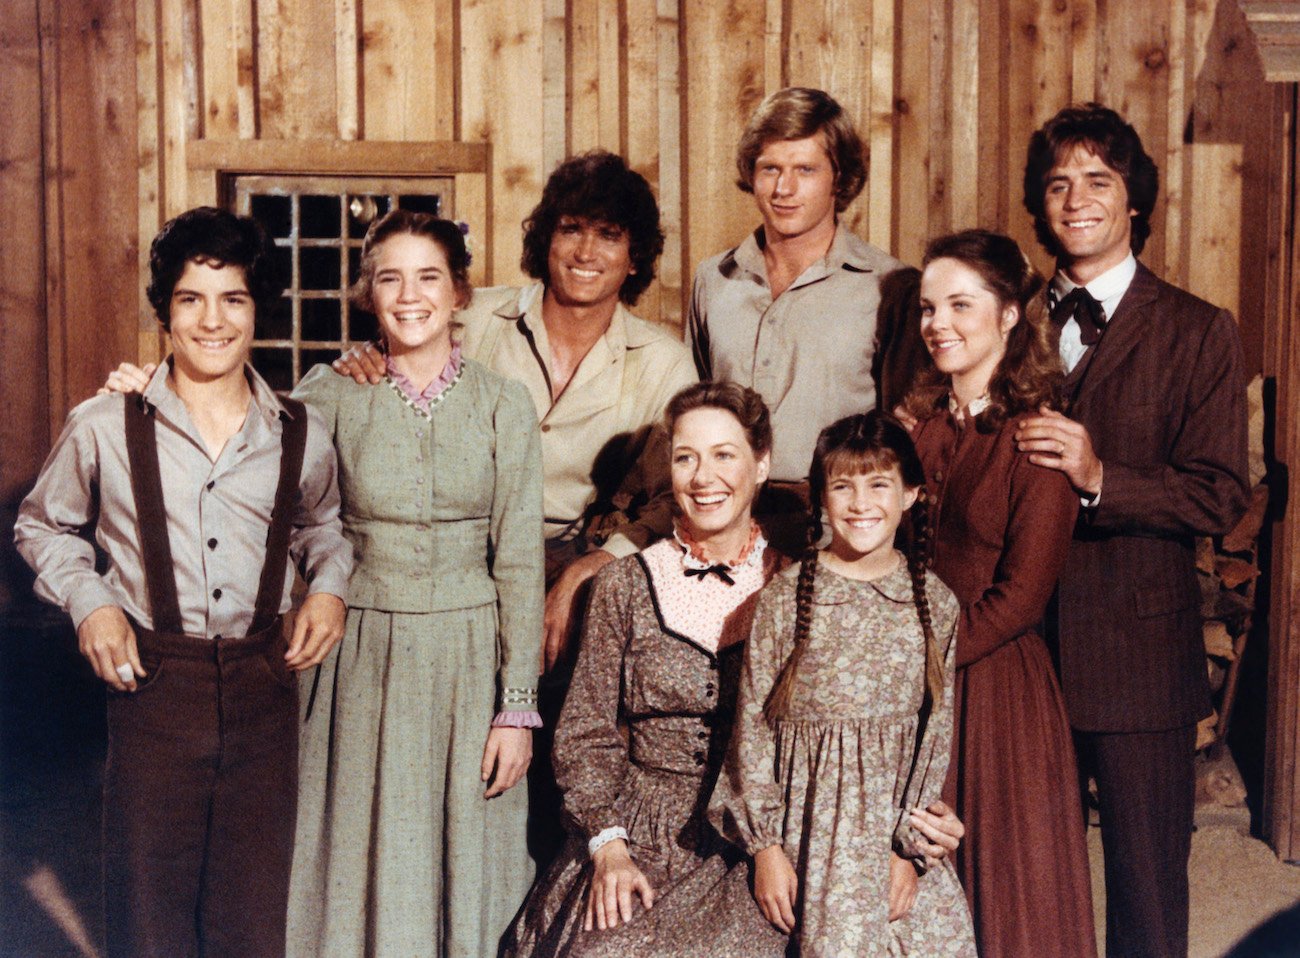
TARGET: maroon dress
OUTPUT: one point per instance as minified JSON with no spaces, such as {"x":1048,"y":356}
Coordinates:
{"x":1001,"y":534}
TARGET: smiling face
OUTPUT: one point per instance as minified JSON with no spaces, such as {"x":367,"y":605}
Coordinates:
{"x":794,"y":187}
{"x":413,"y":294}
{"x":1086,"y":206}
{"x":212,"y":314}
{"x":863,"y":510}
{"x":588,"y":262}
{"x":715,"y":476}
{"x":964,"y":326}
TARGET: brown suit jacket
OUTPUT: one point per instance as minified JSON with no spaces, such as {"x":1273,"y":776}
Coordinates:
{"x":1163,"y":398}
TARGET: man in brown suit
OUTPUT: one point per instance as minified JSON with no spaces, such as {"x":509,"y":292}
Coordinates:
{"x":1155,"y":445}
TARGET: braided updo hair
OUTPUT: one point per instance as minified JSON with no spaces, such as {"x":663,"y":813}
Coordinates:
{"x":1029,"y":374}
{"x":860,"y":444}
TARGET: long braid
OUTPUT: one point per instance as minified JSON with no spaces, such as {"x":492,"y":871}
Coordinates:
{"x":918,"y":560}
{"x":778,"y":700}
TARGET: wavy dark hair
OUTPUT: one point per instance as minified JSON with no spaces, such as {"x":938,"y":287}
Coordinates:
{"x":859,"y":444}
{"x":443,"y":233}
{"x":1102,"y":131}
{"x":1029,"y":374}
{"x":797,"y":113}
{"x":597,"y":186}
{"x":218,"y":238}
{"x":741,"y":401}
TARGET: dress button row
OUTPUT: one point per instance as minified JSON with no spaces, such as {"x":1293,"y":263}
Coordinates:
{"x":699,"y":758}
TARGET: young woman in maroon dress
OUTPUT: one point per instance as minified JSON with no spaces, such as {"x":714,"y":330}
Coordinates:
{"x":1002,"y":532}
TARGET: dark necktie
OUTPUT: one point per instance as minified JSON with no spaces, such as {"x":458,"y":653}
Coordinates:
{"x":719,"y":570}
{"x":1087,"y":312}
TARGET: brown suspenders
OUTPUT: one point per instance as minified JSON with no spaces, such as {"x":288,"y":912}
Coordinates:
{"x":151,"y":515}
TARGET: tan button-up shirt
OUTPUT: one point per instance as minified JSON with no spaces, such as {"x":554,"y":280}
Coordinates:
{"x":808,"y":352}
{"x":610,"y":409}
{"x":218,"y":513}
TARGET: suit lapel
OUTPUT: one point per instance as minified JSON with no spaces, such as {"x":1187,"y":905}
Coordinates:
{"x":1123,"y":332}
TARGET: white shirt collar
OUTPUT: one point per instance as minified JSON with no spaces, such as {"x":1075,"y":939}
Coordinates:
{"x":1108,"y":288}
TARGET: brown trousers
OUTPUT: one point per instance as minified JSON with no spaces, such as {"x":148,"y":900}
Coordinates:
{"x":1145,"y":786}
{"x":200,"y":799}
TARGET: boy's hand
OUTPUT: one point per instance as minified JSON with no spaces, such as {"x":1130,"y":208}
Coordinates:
{"x":107,"y":641}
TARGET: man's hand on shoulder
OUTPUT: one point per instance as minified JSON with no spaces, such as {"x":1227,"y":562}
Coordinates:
{"x":1058,"y":442}
{"x":128,"y":378}
{"x":364,"y":363}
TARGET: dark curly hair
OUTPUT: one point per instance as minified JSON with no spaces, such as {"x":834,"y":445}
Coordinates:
{"x":218,"y":238}
{"x":1102,"y":131}
{"x":797,"y":113}
{"x":444,"y":233}
{"x":597,"y":186}
{"x":741,"y":401}
{"x":858,"y":444}
{"x":1029,"y":374}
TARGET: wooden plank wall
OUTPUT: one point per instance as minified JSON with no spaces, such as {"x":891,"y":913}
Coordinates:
{"x":946,"y":93}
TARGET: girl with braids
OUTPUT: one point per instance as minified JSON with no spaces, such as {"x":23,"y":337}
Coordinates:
{"x":844,"y":717}
{"x":1003,"y":526}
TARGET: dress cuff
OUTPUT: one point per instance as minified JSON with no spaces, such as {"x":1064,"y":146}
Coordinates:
{"x":517,"y":719}
{"x":604,"y":837}
{"x":517,"y":698}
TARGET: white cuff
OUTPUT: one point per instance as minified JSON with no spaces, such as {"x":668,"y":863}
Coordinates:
{"x":604,"y":837}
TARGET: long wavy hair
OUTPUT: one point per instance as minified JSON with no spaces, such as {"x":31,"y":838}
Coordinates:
{"x":1029,"y":374}
{"x":861,"y":444}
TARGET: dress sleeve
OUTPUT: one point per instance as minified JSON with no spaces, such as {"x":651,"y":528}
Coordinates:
{"x":590,"y":756}
{"x":748,"y":805}
{"x":516,"y":547}
{"x":930,"y":767}
{"x":50,"y":518}
{"x":1041,"y":514}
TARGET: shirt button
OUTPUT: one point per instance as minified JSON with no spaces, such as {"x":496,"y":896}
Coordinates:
{"x":546,"y":427}
{"x":419,"y":480}
{"x":702,"y":736}
{"x":216,"y":638}
{"x":216,"y":593}
{"x":699,"y":758}
{"x":212,"y":543}
{"x":211,"y":484}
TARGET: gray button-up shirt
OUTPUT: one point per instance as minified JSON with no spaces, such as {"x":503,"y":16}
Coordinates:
{"x":808,"y":352}
{"x":218,"y":513}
